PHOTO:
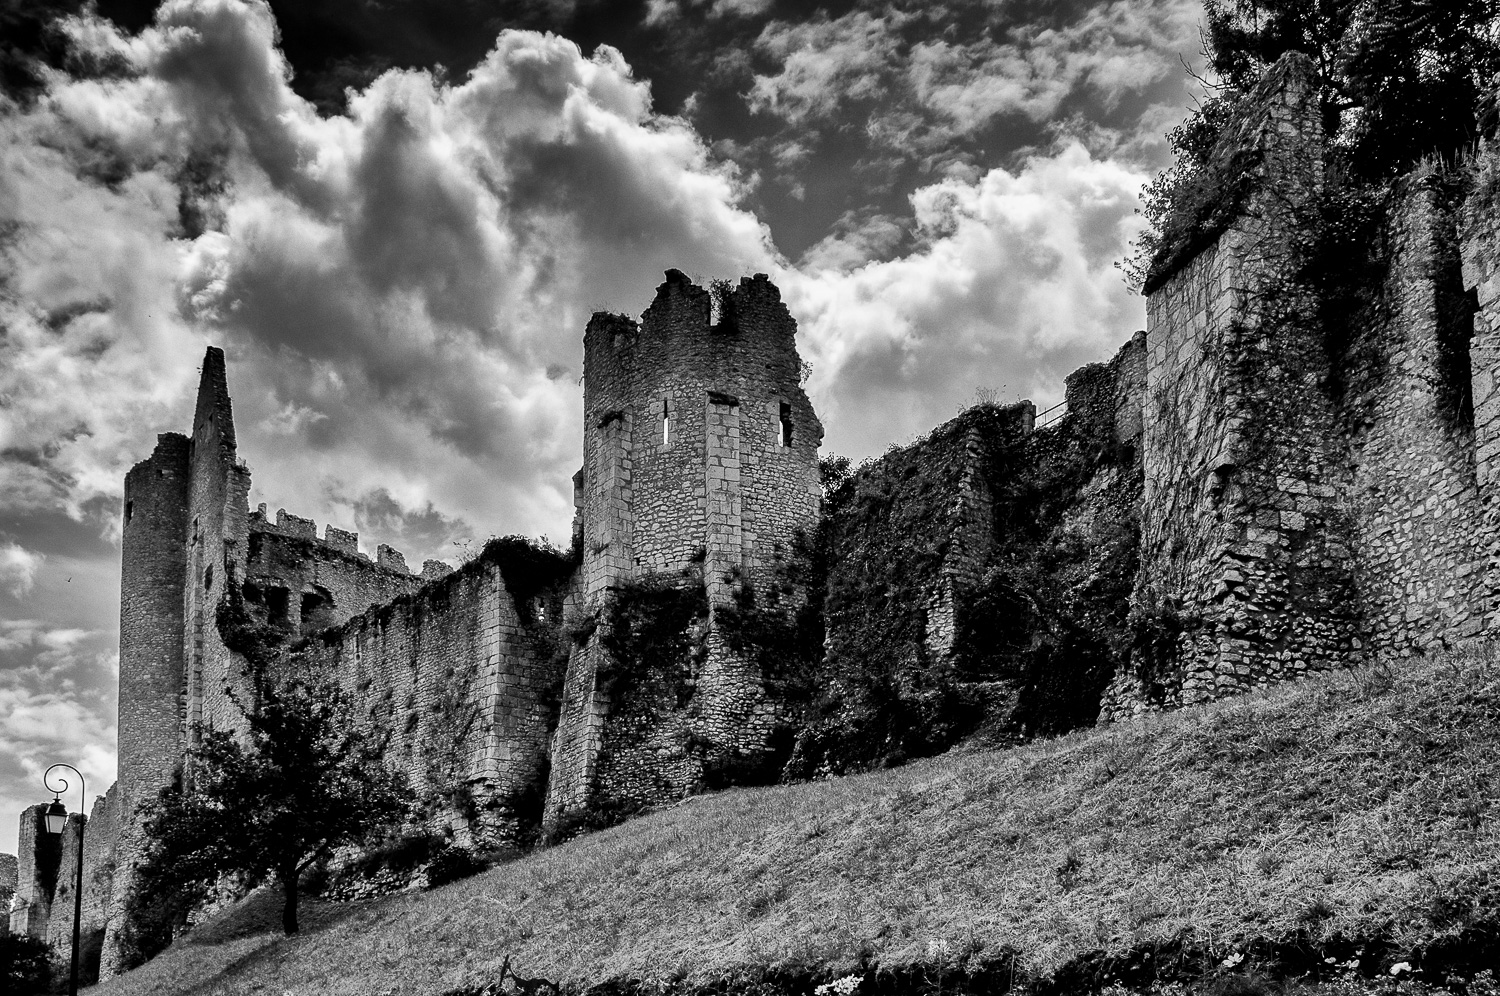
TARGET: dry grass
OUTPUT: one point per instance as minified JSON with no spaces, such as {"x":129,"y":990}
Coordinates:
{"x":1355,"y":803}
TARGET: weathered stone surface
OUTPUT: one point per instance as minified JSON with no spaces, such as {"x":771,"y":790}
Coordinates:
{"x":700,"y":455}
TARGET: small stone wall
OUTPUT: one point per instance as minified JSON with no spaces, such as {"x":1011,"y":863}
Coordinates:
{"x":38,"y":856}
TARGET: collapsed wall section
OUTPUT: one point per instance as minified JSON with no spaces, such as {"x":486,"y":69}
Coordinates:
{"x":8,"y":878}
{"x":910,"y":536}
{"x":292,"y":579}
{"x":38,"y":857}
{"x":979,"y":576}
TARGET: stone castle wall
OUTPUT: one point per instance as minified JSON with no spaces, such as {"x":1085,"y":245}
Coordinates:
{"x":1478,"y":224}
{"x":9,"y":874}
{"x":1414,"y":497}
{"x":1245,"y":558}
{"x":1302,"y":503}
{"x":462,"y":677}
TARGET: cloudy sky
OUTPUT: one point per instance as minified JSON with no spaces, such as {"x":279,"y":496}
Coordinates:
{"x":397,"y":216}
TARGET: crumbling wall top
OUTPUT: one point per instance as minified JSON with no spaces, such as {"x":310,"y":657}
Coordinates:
{"x":1273,"y":135}
{"x":334,"y":539}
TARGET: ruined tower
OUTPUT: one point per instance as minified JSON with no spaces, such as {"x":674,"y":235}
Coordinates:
{"x":700,"y":463}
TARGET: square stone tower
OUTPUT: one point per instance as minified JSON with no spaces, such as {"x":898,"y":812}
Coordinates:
{"x":700,"y":464}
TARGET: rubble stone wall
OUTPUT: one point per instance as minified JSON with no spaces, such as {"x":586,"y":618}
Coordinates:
{"x":1245,"y":558}
{"x":1414,"y":496}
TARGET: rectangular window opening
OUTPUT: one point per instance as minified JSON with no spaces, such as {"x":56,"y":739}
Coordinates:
{"x":666,"y":424}
{"x":784,"y":438}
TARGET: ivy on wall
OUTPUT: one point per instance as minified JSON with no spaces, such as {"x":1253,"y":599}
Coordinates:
{"x":654,"y":638}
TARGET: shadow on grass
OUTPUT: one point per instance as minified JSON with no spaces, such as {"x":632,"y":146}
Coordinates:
{"x":257,"y":916}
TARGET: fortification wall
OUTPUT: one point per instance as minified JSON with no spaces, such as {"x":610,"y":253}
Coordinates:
{"x":1479,"y":233}
{"x":8,"y":873}
{"x":293,"y":579}
{"x":152,"y":573}
{"x":38,"y":855}
{"x":1245,"y":559}
{"x":1414,"y":496}
{"x":218,"y":492}
{"x":463,"y":678}
{"x":910,"y":538}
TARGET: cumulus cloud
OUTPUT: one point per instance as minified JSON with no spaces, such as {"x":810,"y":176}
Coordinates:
{"x":922,"y":92}
{"x":18,"y":567}
{"x":56,"y":704}
{"x":401,"y":289}
{"x":1012,"y":287}
{"x":825,"y":63}
{"x":38,"y":729}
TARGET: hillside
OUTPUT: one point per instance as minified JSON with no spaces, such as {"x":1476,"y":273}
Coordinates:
{"x":1358,"y":805}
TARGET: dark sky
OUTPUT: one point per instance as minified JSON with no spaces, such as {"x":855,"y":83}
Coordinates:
{"x":399,"y":259}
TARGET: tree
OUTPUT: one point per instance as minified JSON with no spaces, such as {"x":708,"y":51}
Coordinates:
{"x":25,"y":964}
{"x":1398,"y":81}
{"x":304,"y":779}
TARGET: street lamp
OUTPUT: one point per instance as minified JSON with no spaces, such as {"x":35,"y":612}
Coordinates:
{"x":57,"y":821}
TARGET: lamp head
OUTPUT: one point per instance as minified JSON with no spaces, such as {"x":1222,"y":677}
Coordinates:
{"x":57,"y":816}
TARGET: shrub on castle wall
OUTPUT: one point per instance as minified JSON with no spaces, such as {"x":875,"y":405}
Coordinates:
{"x":1039,"y":606}
{"x":654,"y":638}
{"x":1050,"y":615}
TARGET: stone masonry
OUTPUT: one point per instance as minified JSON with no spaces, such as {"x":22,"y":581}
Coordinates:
{"x":700,"y":463}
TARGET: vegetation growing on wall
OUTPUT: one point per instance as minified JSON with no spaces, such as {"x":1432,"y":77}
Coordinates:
{"x":240,"y":629}
{"x":1396,"y":83}
{"x":778,"y":625}
{"x":654,"y":640}
{"x":1040,"y":618}
{"x":1050,"y":615}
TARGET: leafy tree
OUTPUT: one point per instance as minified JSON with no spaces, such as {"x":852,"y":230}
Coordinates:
{"x":25,"y":964}
{"x":1397,"y":81}
{"x":304,"y":779}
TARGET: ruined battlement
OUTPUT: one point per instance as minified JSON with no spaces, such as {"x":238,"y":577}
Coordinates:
{"x":335,"y":539}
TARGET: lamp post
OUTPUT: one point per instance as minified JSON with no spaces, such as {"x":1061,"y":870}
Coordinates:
{"x":57,"y":821}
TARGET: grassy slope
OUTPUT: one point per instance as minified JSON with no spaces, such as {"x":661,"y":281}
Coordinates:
{"x":1353,"y":803}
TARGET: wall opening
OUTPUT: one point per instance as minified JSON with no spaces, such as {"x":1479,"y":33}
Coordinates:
{"x":1455,"y":367}
{"x":278,"y":606}
{"x":317,"y":609}
{"x":666,"y":423}
{"x":129,"y":510}
{"x":208,"y":577}
{"x":784,"y":435}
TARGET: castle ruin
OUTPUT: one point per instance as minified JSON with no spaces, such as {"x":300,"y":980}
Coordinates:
{"x":1251,"y":490}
